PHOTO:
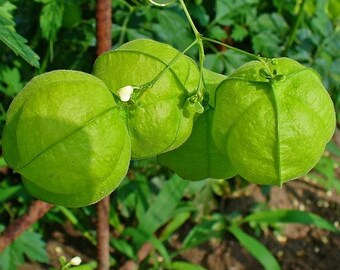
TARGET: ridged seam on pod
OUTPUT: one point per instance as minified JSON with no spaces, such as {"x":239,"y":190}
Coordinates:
{"x":64,"y":136}
{"x":160,"y":116}
{"x":273,"y":121}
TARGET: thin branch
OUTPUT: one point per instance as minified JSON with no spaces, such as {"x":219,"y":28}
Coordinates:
{"x":104,"y":43}
{"x":36,"y":211}
{"x":103,"y":18}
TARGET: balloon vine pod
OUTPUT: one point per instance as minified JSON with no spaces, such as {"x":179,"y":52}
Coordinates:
{"x":71,"y":135}
{"x":199,"y":158}
{"x":273,"y":118}
{"x":65,"y":137}
{"x":160,"y":110}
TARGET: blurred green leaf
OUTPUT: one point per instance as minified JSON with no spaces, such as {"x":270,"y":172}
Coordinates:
{"x":239,"y":32}
{"x":139,"y":238}
{"x":326,"y":167}
{"x":51,"y":19}
{"x":88,"y":266}
{"x":212,"y":227}
{"x":3,"y":162}
{"x":226,"y":10}
{"x":12,"y":80}
{"x":9,"y":192}
{"x":28,"y":244}
{"x":68,"y":214}
{"x":333,"y":148}
{"x":123,"y":247}
{"x":290,"y":216}
{"x":174,"y":224}
{"x":256,"y":249}
{"x":185,"y":266}
{"x":162,"y":208}
{"x":218,"y":33}
{"x":213,"y":62}
{"x":160,"y":248}
{"x":266,"y":43}
{"x":173,"y":29}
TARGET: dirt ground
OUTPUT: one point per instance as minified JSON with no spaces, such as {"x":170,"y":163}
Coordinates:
{"x":297,"y":247}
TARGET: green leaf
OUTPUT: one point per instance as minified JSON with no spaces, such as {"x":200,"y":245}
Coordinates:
{"x":88,"y":266}
{"x":139,"y":238}
{"x":176,"y":223}
{"x":6,"y":10}
{"x":12,"y":39}
{"x":68,"y":214}
{"x":266,"y":43}
{"x":213,"y":227}
{"x":325,"y":167}
{"x":162,"y":208}
{"x":28,"y":244}
{"x":8,"y":192}
{"x":227,"y":10}
{"x":239,"y":33}
{"x":10,"y":258}
{"x":18,"y":45}
{"x":34,"y":247}
{"x":51,"y":19}
{"x":12,"y":80}
{"x":2,"y":162}
{"x":333,"y":148}
{"x":173,"y":29}
{"x":273,"y":23}
{"x":160,"y":247}
{"x":256,"y":249}
{"x":214,"y":62}
{"x":185,"y":266}
{"x":291,"y":216}
{"x":123,"y":247}
{"x":218,"y":33}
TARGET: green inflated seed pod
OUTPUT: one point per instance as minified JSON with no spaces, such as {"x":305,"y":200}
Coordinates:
{"x":273,"y":119}
{"x":64,"y":135}
{"x":159,"y":115}
{"x":198,"y":158}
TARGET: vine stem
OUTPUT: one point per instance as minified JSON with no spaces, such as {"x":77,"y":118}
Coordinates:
{"x":292,"y":36}
{"x":173,"y":61}
{"x":104,"y":43}
{"x":36,"y":211}
{"x":251,"y":55}
{"x":199,"y":40}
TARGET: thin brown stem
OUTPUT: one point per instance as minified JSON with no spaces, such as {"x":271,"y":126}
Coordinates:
{"x":103,"y":19}
{"x":103,"y":234}
{"x":36,"y":211}
{"x":104,"y":43}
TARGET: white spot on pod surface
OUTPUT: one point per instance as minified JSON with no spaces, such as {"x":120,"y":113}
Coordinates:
{"x":125,"y":93}
{"x":75,"y":261}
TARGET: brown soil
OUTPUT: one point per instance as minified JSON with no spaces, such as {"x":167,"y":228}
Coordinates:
{"x":297,"y":247}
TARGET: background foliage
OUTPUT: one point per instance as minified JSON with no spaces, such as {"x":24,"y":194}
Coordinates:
{"x":152,"y":204}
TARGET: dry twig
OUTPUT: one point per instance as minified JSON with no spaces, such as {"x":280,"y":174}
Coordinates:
{"x":36,"y":211}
